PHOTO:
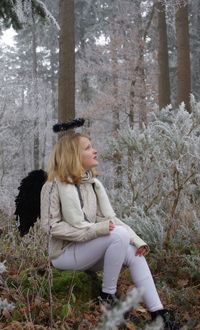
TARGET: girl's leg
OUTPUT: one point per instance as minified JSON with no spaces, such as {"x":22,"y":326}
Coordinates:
{"x":111,"y":248}
{"x":142,"y":277}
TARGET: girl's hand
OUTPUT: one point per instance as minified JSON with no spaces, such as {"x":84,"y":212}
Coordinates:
{"x":111,"y":226}
{"x":142,"y":251}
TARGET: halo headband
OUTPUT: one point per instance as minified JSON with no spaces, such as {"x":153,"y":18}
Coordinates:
{"x":78,"y":122}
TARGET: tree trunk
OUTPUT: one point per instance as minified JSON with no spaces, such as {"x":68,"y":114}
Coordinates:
{"x":36,"y":151}
{"x":195,"y":41}
{"x":141,"y":74}
{"x":53,"y":84}
{"x":163,"y":59}
{"x":115,"y":106}
{"x":66,"y":81}
{"x":22,"y":139}
{"x":138,"y":85}
{"x":2,"y":167}
{"x":183,"y":57}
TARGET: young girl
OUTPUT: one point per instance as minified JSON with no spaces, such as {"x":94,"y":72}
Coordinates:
{"x":85,"y":233}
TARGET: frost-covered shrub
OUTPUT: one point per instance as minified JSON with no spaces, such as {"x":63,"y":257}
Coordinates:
{"x":161,"y":182}
{"x":114,"y":317}
{"x":193,"y":263}
{"x":2,"y":267}
{"x":4,"y":304}
{"x":2,"y":270}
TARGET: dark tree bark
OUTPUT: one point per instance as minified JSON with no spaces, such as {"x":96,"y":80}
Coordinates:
{"x":163,"y":59}
{"x":183,"y":57}
{"x":35,"y":95}
{"x":66,"y":81}
{"x":115,"y":106}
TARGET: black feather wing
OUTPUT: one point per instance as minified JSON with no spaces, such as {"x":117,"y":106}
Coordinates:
{"x":27,"y":201}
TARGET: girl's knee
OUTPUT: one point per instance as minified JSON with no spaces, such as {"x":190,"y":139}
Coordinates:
{"x":121,"y":233}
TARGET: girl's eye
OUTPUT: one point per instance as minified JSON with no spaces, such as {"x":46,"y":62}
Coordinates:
{"x":88,"y":147}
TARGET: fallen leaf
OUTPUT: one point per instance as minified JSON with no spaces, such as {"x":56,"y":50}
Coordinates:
{"x":14,"y":326}
{"x":141,"y":309}
{"x":6,"y":313}
{"x":183,"y":283}
{"x":29,"y":326}
{"x":130,"y":326}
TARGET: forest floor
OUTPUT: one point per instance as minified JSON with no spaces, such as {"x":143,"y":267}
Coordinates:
{"x":26,"y":282}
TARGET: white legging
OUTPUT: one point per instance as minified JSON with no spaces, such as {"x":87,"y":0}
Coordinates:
{"x":109,"y":253}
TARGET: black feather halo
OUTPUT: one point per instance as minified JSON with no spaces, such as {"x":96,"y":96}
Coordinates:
{"x":60,"y":127}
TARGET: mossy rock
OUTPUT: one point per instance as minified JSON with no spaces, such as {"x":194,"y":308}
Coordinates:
{"x":84,"y":285}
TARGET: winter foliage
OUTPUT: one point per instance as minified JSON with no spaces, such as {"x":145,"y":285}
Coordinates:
{"x":24,"y":11}
{"x":160,"y":190}
{"x":152,"y":159}
{"x":105,"y":75}
{"x":4,"y":304}
{"x":114,"y":317}
{"x":2,"y":267}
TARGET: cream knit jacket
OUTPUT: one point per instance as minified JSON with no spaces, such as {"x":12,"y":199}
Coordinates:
{"x":63,"y":218}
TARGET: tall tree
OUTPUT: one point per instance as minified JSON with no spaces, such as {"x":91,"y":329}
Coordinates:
{"x":66,"y":81}
{"x":35,"y":94}
{"x":194,"y":47}
{"x":183,"y":57}
{"x":138,"y":95}
{"x":141,"y":68}
{"x":163,"y":59}
{"x":114,"y":44}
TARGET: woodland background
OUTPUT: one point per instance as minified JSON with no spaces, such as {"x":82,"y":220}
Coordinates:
{"x":132,"y":69}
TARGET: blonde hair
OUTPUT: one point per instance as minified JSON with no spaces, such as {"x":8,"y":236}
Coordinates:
{"x":65,"y":161}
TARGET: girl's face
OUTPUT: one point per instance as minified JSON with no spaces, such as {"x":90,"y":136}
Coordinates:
{"x":88,"y":154}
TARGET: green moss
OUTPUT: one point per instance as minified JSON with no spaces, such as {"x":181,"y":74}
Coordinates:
{"x":84,"y":286}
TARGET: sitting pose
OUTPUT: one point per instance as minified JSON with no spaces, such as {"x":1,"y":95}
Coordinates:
{"x":85,"y":233}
